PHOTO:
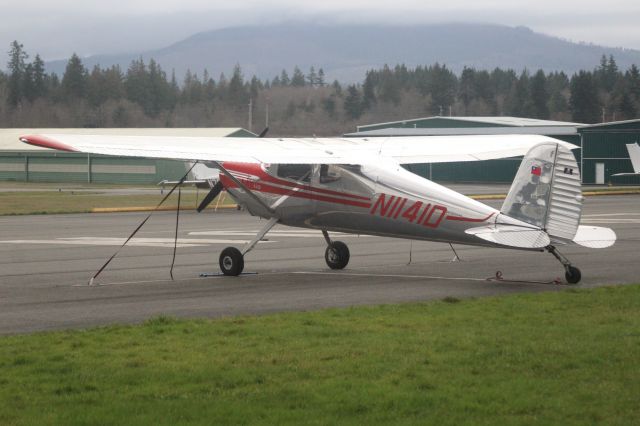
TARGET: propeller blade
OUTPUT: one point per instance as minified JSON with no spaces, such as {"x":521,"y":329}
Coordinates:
{"x":210,"y":196}
{"x":264,"y":132}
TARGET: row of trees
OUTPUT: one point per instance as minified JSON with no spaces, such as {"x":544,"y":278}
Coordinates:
{"x":605,"y":93}
{"x":144,"y":95}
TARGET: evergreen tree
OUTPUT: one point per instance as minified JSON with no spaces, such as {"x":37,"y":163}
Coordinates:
{"x":96,"y":90}
{"x":321,"y":81}
{"x":539,"y":96}
{"x":284,"y":79}
{"x":584,"y":98}
{"x":237,"y":94}
{"x":442,"y":87}
{"x":312,"y":77}
{"x":297,"y":79}
{"x":209,"y":86}
{"x":518,"y":101}
{"x":137,"y":83}
{"x":625,"y":107}
{"x":353,"y":102}
{"x":633,"y":80}
{"x":192,"y":89}
{"x":329,"y":105}
{"x":368,"y":91}
{"x":39,"y":78}
{"x":16,"y":67}
{"x":160,"y":98}
{"x":27,"y":83}
{"x":74,"y":80}
{"x":337,"y":88}
{"x":466,"y":87}
{"x":389,"y":87}
{"x":254,"y":88}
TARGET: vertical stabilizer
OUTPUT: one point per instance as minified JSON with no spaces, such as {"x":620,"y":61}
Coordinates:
{"x":547,"y":191}
{"x":634,"y":155}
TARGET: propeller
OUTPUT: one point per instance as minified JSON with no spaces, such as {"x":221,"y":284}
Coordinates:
{"x":217,"y":188}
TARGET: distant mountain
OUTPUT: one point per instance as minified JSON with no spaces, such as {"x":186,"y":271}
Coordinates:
{"x":346,"y":52}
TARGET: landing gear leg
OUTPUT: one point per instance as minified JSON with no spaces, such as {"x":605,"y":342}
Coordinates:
{"x":232,"y":260}
{"x":337,"y":253}
{"x":572,"y":274}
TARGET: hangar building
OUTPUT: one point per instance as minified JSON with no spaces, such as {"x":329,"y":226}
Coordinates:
{"x":25,"y":163}
{"x":605,"y":153}
{"x":603,"y":145}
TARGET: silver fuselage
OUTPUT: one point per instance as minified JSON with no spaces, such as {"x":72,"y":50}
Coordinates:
{"x":384,"y":200}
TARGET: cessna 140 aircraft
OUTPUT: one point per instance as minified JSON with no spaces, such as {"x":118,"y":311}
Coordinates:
{"x":357,"y":185}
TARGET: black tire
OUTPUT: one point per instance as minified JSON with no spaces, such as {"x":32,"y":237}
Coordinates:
{"x":337,"y":255}
{"x":573,"y":275}
{"x":231,"y":261}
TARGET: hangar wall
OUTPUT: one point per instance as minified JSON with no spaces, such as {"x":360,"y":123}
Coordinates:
{"x":22,"y":163}
{"x":604,"y":148}
{"x":491,"y":171}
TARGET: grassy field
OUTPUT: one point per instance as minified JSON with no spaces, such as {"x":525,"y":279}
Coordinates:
{"x":70,"y":201}
{"x":554,"y":358}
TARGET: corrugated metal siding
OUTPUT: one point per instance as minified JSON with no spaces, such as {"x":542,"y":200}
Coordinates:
{"x":490,"y":171}
{"x":51,"y":166}
{"x":610,"y":167}
{"x":606,"y":143}
{"x":69,"y":167}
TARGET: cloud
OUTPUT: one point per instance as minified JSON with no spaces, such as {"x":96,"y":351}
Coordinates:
{"x":117,"y":26}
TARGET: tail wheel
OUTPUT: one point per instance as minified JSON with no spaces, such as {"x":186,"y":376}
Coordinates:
{"x":572,"y":275}
{"x":337,"y":255}
{"x":231,"y":261}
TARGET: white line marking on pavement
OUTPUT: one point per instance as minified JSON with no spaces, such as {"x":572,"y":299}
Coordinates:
{"x":135,"y":242}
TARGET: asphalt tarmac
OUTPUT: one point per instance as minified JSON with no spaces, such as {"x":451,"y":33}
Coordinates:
{"x":46,"y":262}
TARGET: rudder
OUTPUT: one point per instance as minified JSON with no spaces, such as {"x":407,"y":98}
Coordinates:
{"x":546,"y":191}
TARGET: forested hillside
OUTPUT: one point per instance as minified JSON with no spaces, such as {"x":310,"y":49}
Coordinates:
{"x":301,"y":102}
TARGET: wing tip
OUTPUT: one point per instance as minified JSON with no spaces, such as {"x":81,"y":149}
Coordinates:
{"x":45,"y":142}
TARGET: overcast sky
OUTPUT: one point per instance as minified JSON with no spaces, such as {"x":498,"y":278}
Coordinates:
{"x":55,"y":29}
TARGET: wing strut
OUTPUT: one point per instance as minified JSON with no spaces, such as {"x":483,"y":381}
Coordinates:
{"x":135,"y":231}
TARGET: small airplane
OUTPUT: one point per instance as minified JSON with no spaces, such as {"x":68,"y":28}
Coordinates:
{"x":357,"y":185}
{"x":634,"y":156}
{"x":202,"y":176}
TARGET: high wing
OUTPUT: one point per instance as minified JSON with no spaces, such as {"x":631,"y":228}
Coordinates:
{"x":404,"y":150}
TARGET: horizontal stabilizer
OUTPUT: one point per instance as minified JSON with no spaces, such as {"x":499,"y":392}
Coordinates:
{"x":594,"y":236}
{"x":512,"y":236}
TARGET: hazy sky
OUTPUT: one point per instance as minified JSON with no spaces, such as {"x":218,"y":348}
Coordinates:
{"x":57,"y":28}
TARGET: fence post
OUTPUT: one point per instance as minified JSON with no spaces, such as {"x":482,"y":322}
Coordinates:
{"x":88,"y":168}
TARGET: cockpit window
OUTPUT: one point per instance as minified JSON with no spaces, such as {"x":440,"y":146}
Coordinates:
{"x":329,"y":173}
{"x":300,"y":172}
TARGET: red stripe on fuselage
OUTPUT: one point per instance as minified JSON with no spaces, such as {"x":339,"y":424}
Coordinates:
{"x":469,"y":219}
{"x":257,"y":171}
{"x":270,"y":189}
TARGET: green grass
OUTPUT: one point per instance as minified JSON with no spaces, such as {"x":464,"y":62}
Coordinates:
{"x":69,"y":201}
{"x":571,"y":357}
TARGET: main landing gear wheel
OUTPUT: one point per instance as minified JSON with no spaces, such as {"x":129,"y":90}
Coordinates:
{"x":337,"y":255}
{"x":572,"y":275}
{"x":231,"y":261}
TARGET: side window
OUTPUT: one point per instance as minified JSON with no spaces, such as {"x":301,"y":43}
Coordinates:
{"x":329,"y":173}
{"x":300,"y":172}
